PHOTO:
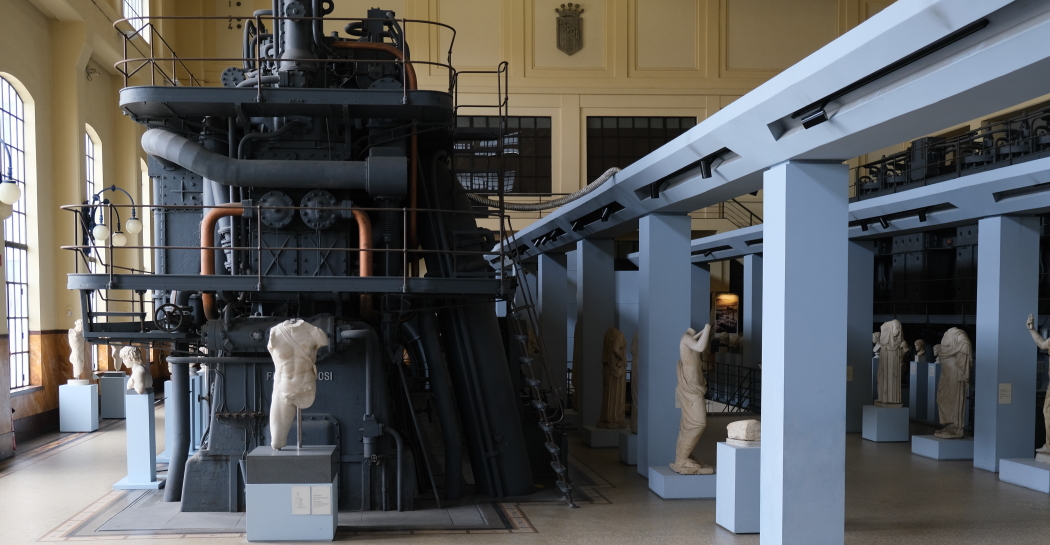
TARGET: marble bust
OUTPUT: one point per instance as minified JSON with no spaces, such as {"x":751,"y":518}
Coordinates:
{"x":614,"y":379}
{"x":293,"y":346}
{"x":115,"y":358}
{"x":892,"y":349}
{"x":1043,"y":454}
{"x":956,"y":357}
{"x":920,"y":350}
{"x":690,"y":396}
{"x":76,"y":349}
{"x":141,"y":379}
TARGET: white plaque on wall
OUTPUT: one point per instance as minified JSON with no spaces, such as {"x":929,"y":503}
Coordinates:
{"x":1006,"y":393}
{"x":321,"y":500}
{"x":300,"y":500}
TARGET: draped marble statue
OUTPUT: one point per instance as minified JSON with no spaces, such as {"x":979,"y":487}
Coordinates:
{"x":141,"y":379}
{"x":892,"y":349}
{"x":614,"y":379}
{"x":293,"y":346}
{"x":956,"y":357}
{"x":690,"y":396}
{"x":636,"y":375}
{"x":76,"y":348}
{"x":1043,"y":344}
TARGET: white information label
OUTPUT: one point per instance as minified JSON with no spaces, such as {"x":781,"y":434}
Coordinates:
{"x":849,"y":373}
{"x":1006,"y":393}
{"x":300,"y":500}
{"x":914,"y":368}
{"x":933,"y":370}
{"x":321,"y":500}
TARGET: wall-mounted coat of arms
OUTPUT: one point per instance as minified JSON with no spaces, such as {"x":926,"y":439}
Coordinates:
{"x":570,"y":28}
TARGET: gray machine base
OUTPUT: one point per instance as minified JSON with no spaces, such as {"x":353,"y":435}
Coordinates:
{"x":671,"y":486}
{"x":934,"y":447}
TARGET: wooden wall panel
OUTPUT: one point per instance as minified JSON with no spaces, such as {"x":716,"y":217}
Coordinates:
{"x":667,"y":34}
{"x":769,"y":36}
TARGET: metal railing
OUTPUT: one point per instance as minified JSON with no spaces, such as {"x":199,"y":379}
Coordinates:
{"x":737,"y":387}
{"x":737,"y":213}
{"x":1022,"y":137}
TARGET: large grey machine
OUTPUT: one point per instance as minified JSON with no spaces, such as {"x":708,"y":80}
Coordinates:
{"x":317,"y":183}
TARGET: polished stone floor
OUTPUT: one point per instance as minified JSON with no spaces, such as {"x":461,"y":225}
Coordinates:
{"x":893,"y":497}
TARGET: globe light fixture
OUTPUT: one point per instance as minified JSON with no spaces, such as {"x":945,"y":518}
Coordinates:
{"x":10,"y":192}
{"x":100,"y":233}
{"x":6,"y":210}
{"x":119,"y":239}
{"x":134,"y":226}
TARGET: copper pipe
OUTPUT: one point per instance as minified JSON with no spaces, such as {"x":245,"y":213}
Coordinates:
{"x":211,"y":218}
{"x":413,"y":152}
{"x":364,"y":242}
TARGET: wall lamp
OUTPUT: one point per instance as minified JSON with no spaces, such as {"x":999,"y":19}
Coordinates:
{"x":100,"y":231}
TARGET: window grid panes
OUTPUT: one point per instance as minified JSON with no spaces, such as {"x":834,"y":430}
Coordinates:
{"x":13,"y":162}
{"x":137,"y":8}
{"x":89,"y":192}
{"x":526,"y":154}
{"x":620,"y":141}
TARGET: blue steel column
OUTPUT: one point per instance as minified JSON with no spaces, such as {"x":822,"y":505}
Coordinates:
{"x":553,"y":316}
{"x":1007,"y":292}
{"x":752,"y":310}
{"x":664,"y":312}
{"x":859,"y":318}
{"x":595,"y":306}
{"x":803,"y":379}
{"x":701,"y":296}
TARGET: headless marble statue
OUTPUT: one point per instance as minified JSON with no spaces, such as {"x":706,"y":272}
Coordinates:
{"x":956,"y":356}
{"x":614,"y":379}
{"x":76,"y":350}
{"x":690,"y":395}
{"x":293,"y":346}
{"x":116,"y":362}
{"x":920,"y":351}
{"x":1043,"y":344}
{"x":636,"y":375}
{"x":892,"y":349}
{"x":141,"y":379}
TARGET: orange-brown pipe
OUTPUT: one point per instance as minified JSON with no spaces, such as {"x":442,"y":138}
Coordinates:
{"x":410,"y":77}
{"x":364,"y":242}
{"x":211,"y":218}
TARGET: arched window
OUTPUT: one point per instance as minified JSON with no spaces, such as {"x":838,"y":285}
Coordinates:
{"x":16,"y":248}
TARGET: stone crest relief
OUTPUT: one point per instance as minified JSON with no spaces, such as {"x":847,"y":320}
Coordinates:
{"x":570,"y":28}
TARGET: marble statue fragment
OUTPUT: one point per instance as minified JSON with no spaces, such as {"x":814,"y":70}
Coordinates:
{"x":936,"y":353}
{"x":892,"y":348}
{"x":875,"y":338}
{"x":690,"y":396}
{"x":293,"y":346}
{"x":614,"y":379}
{"x":1043,"y":453}
{"x":76,"y":350}
{"x":141,"y":379}
{"x":636,"y":375}
{"x":956,"y":357}
{"x":744,"y":433}
{"x":920,"y":350}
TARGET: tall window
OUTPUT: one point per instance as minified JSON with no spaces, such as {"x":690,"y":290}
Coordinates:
{"x":526,"y":154}
{"x":90,"y":169}
{"x":620,"y":141}
{"x":16,"y":249}
{"x":137,"y":8}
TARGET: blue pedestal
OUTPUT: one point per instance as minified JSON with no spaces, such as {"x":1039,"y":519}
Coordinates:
{"x":282,"y":499}
{"x":917,"y":391}
{"x":1025,"y":472}
{"x":875,"y":377}
{"x":670,"y":485}
{"x":737,"y":488}
{"x":884,"y":424}
{"x":934,"y":447}
{"x":112,"y":385}
{"x":141,"y":427}
{"x":629,"y":447}
{"x":169,"y":430}
{"x":933,"y":374}
{"x":595,"y":437}
{"x":77,"y":407}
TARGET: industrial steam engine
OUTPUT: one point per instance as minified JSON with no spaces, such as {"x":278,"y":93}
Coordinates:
{"x":318,"y":184}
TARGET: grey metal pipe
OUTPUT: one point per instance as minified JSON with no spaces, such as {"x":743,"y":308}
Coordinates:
{"x":365,"y":331}
{"x":180,"y":421}
{"x":217,"y":359}
{"x":380,"y":176}
{"x":266,"y":80}
{"x":400,"y":454}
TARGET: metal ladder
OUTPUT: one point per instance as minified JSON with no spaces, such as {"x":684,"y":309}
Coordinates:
{"x":540,"y":397}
